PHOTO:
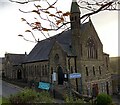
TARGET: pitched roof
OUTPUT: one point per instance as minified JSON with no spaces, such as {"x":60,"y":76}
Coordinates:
{"x":42,"y":49}
{"x":15,"y":59}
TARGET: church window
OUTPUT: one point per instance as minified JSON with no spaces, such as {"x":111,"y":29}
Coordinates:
{"x":39,"y":70}
{"x":107,"y":63}
{"x":56,"y":59}
{"x":43,"y":71}
{"x":99,"y":70}
{"x":46,"y":71}
{"x":30,"y":69}
{"x":26,"y":70}
{"x":71,"y":69}
{"x":92,"y":49}
{"x":35,"y":70}
{"x":93,"y":70}
{"x":87,"y":71}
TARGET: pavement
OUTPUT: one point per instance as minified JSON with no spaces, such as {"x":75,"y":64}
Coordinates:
{"x":116,"y":99}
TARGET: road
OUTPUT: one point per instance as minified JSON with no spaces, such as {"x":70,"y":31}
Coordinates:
{"x":6,"y":89}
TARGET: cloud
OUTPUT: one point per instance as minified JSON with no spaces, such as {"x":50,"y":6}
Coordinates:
{"x":4,"y":3}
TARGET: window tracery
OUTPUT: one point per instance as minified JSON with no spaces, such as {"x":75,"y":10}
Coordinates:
{"x":92,"y":49}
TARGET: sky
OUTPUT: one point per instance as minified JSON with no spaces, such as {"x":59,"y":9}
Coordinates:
{"x":105,"y":23}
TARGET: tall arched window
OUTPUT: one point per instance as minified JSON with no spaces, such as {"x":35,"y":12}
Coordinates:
{"x":46,"y":70}
{"x":43,"y":70}
{"x":92,"y":49}
{"x":87,"y":74}
{"x":56,"y":59}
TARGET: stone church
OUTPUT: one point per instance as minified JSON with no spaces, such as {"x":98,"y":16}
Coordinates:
{"x":78,"y":50}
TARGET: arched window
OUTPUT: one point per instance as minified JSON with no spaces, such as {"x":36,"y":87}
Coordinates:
{"x":92,"y":49}
{"x":43,"y":71}
{"x":35,"y":68}
{"x":46,"y":70}
{"x":99,"y":70}
{"x":71,"y":69}
{"x":40,"y":71}
{"x":87,"y":74}
{"x":56,"y":59}
{"x":93,"y":70}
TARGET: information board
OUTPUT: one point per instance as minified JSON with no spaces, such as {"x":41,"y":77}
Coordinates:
{"x":43,"y":85}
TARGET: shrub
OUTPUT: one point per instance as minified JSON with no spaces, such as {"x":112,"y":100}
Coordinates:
{"x":4,"y":101}
{"x":103,"y":99}
{"x":30,"y":96}
{"x":71,"y":100}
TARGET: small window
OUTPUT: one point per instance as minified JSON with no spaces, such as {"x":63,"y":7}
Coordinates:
{"x":99,"y":70}
{"x":93,"y":70}
{"x":46,"y":72}
{"x":43,"y":70}
{"x":87,"y":71}
{"x":107,"y":63}
{"x":40,"y":70}
{"x":71,"y":69}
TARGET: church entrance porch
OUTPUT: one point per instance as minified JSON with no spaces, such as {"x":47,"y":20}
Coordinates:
{"x":60,"y":76}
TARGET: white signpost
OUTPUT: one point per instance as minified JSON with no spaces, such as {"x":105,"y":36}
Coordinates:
{"x":75,"y":75}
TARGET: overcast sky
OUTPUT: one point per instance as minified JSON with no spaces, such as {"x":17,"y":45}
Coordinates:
{"x":106,"y":25}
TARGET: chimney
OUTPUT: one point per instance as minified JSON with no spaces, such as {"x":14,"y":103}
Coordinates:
{"x":25,"y":53}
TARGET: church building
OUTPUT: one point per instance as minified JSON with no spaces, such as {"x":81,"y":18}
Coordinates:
{"x":78,"y":50}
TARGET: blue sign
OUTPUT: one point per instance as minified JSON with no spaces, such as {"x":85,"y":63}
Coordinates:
{"x":43,"y":85}
{"x":75,"y":75}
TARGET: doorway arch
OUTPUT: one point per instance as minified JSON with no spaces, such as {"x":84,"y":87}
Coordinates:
{"x":60,"y":76}
{"x":19,"y":74}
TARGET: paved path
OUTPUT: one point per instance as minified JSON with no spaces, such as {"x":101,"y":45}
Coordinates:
{"x":8,"y":89}
{"x":116,"y":100}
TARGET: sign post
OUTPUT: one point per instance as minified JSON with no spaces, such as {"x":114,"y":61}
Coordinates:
{"x":74,"y":76}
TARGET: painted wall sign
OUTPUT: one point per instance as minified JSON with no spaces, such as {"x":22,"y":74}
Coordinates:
{"x":43,"y":85}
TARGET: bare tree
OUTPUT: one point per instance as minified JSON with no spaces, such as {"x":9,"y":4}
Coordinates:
{"x":57,"y":19}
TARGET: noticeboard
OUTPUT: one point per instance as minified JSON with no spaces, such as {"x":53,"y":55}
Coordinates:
{"x":43,"y":85}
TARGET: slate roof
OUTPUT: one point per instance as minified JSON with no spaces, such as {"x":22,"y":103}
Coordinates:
{"x":15,"y":59}
{"x":42,"y":49}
